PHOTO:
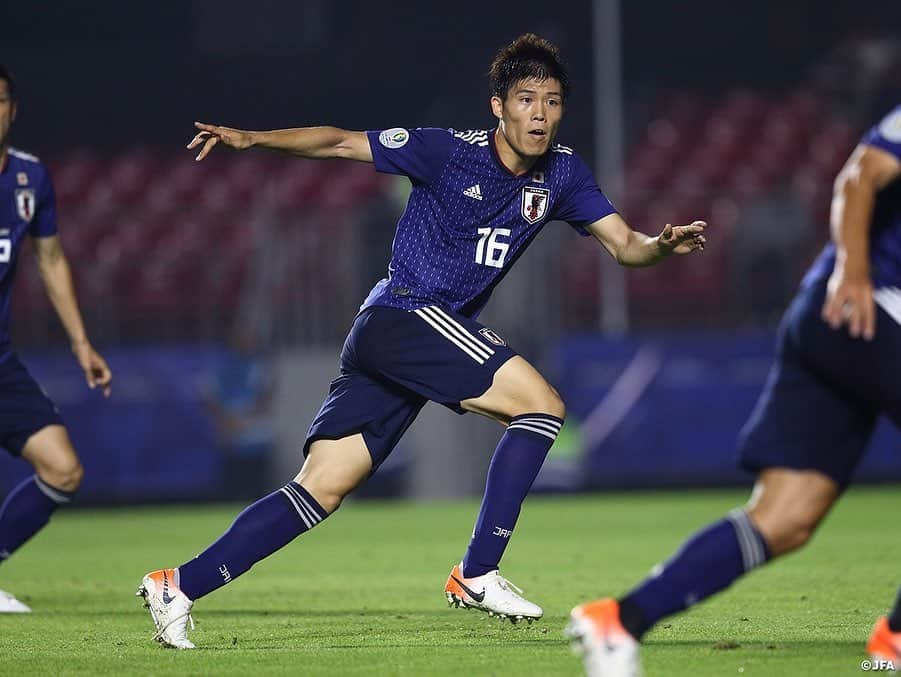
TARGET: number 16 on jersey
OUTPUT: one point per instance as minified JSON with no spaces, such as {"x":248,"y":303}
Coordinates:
{"x":490,"y":252}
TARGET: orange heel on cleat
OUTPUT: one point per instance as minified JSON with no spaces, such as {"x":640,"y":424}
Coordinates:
{"x":492,"y":593}
{"x":598,"y":636}
{"x":885,"y":646}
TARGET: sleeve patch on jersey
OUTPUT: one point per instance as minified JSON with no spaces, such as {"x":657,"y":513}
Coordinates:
{"x":396,"y":137}
{"x":890,"y":128}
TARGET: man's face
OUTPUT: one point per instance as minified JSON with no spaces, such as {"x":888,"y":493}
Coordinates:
{"x":530,"y":115}
{"x":7,"y":111}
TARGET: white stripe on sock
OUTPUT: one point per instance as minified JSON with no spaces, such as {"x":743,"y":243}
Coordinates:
{"x":303,"y":516}
{"x":540,"y":431}
{"x":312,"y":514}
{"x":54,"y":495}
{"x":747,"y":539}
{"x":552,"y":426}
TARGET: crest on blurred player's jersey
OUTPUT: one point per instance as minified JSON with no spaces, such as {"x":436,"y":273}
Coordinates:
{"x":492,"y":336}
{"x":25,"y":203}
{"x":534,"y":203}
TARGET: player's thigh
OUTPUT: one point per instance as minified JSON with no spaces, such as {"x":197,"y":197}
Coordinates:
{"x":804,"y":420}
{"x":53,"y":456}
{"x":358,"y":425}
{"x":334,"y":468}
{"x":518,"y":388}
{"x":449,"y":359}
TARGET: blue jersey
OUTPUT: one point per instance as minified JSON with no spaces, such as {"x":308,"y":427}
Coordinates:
{"x":885,"y":227}
{"x":27,"y":207}
{"x":468,"y":217}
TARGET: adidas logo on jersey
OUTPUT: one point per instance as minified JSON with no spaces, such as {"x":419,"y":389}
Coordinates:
{"x":475,"y":192}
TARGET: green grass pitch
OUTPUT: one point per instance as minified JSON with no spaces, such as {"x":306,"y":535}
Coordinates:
{"x":363,"y":593}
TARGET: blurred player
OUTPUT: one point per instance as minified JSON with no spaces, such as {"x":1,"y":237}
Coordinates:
{"x":479,"y":198}
{"x":30,"y":425}
{"x":837,"y":369}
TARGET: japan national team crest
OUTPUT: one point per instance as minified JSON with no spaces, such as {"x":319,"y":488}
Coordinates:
{"x":534,"y":203}
{"x":492,"y":336}
{"x":25,"y":203}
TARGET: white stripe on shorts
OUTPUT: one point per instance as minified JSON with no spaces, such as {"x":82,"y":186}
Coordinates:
{"x":461,"y":339}
{"x":451,"y":322}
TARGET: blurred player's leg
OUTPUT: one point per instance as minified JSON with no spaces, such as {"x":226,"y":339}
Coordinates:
{"x":785,"y":509}
{"x":885,"y":640}
{"x":534,"y":412}
{"x":28,"y":507}
{"x":332,"y":469}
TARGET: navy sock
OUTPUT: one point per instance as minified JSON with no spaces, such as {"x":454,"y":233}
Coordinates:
{"x":894,"y":617}
{"x":261,"y":529}
{"x":513,"y":469}
{"x":707,"y":563}
{"x":26,"y":510}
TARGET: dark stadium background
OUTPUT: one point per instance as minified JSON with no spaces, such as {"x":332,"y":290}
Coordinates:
{"x":738,"y":114}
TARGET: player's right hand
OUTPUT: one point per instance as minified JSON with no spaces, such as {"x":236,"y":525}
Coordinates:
{"x":210,"y":135}
{"x":849,"y":300}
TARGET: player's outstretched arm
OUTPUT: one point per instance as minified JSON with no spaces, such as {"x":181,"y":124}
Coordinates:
{"x":849,"y":294}
{"x":308,"y":142}
{"x":57,"y":279}
{"x":631,"y":248}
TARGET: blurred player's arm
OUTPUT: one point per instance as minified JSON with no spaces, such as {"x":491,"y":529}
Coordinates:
{"x":57,"y":277}
{"x":632,"y":248}
{"x":308,"y":142}
{"x":849,"y":297}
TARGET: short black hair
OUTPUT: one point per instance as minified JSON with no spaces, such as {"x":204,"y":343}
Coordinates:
{"x":5,"y":74}
{"x":527,"y":57}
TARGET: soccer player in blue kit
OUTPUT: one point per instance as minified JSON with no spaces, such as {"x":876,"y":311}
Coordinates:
{"x":837,"y":370}
{"x":479,"y":198}
{"x":30,"y":425}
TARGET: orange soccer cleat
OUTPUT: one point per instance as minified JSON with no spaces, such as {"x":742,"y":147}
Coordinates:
{"x":885,"y":645}
{"x":169,"y":607}
{"x":606,"y":647}
{"x":492,"y":593}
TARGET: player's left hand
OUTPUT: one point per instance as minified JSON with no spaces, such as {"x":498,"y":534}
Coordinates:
{"x":96,"y":370}
{"x":849,"y":300}
{"x":682,"y":239}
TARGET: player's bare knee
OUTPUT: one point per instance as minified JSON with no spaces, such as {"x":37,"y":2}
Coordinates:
{"x":555,"y":405}
{"x":330,"y":498}
{"x":547,"y":401}
{"x":787,"y":531}
{"x":65,"y":476}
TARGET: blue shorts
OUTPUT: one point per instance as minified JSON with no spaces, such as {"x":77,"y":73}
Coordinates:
{"x":824,"y":393}
{"x":24,"y":407}
{"x":393,"y":362}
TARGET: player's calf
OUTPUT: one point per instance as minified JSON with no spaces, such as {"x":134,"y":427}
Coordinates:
{"x":788,"y":505}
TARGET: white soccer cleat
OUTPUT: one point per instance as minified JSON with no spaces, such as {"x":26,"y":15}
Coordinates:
{"x":492,"y":593}
{"x":606,"y":647}
{"x":169,"y":607}
{"x":10,"y":605}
